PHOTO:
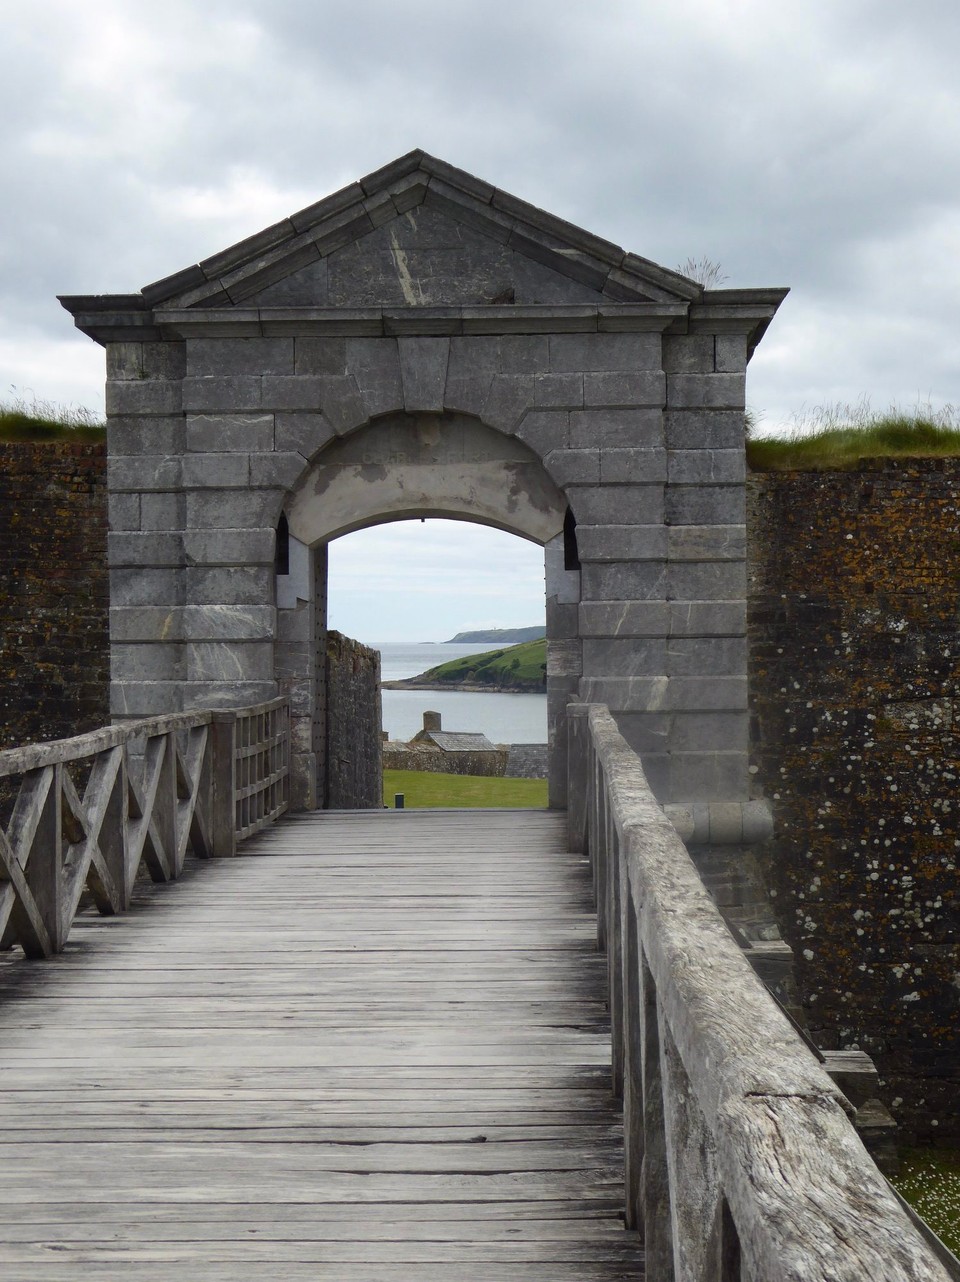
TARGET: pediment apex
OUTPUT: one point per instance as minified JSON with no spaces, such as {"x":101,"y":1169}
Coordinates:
{"x":241,"y":271}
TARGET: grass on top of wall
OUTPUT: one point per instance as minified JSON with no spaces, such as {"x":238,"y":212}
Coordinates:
{"x":23,"y":419}
{"x":424,"y":789}
{"x":842,"y":437}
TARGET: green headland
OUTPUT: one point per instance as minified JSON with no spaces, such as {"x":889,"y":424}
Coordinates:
{"x":515,"y":669}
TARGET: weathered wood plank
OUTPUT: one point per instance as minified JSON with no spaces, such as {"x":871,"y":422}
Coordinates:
{"x":248,"y":1248}
{"x":304,"y":1266}
{"x":340,"y":1219}
{"x":375,"y":1056}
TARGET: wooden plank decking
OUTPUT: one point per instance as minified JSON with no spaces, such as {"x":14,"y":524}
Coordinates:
{"x":374,"y":1047}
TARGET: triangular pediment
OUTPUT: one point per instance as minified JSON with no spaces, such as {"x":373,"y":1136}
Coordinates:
{"x":420,"y":233}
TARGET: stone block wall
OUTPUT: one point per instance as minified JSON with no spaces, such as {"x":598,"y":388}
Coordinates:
{"x":54,"y":643}
{"x":433,"y":760}
{"x":637,"y":429}
{"x":855,"y":692}
{"x":193,"y":511}
{"x":662,"y":551}
{"x":354,"y":763}
{"x":657,"y":490}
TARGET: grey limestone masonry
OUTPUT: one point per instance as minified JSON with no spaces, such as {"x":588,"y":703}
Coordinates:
{"x":422,"y":344}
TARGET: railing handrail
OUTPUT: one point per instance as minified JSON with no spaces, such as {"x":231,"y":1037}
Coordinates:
{"x":33,"y":756}
{"x":254,"y":709}
{"x":16,"y":761}
{"x":154,"y":788}
{"x":740,"y":1146}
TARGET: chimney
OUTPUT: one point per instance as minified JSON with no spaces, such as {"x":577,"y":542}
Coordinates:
{"x":431,"y":721}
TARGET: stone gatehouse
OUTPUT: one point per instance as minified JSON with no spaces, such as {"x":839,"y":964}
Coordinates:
{"x":424,"y":344}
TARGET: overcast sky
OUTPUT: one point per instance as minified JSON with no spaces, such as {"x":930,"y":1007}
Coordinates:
{"x":808,"y":144}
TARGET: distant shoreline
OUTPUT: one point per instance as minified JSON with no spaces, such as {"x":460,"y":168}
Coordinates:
{"x":453,"y":687}
{"x":498,"y":636}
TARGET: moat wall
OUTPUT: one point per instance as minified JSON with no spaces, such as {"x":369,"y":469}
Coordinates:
{"x":54,"y":653}
{"x":855,"y":694}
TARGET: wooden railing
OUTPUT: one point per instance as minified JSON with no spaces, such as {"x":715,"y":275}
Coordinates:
{"x":261,"y":782}
{"x":742,"y":1162}
{"x":84,"y":813}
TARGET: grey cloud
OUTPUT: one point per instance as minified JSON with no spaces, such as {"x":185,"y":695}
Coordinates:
{"x":808,"y":145}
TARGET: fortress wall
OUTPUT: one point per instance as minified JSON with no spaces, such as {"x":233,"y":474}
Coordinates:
{"x":54,"y":650}
{"x":855,"y":694}
{"x":354,"y":769}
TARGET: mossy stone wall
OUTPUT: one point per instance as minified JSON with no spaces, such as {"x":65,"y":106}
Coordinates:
{"x":855,"y":699}
{"x":354,"y":760}
{"x":54,"y":649}
{"x":492,"y":763}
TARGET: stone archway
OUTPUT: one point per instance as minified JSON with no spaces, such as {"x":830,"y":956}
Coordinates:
{"x":426,"y":292}
{"x":399,"y":466}
{"x":426,"y":464}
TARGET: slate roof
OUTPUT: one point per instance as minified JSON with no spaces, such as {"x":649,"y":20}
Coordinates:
{"x":458,"y":741}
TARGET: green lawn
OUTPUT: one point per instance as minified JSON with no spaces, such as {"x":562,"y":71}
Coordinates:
{"x":422,"y":788}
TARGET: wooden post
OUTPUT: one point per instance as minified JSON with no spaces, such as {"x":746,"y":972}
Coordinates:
{"x":578,"y":730}
{"x":632,"y":1064}
{"x":223,"y":807}
{"x":616,"y":889}
{"x":111,"y":767}
{"x":657,"y":1219}
{"x":165,"y":805}
{"x":35,"y":851}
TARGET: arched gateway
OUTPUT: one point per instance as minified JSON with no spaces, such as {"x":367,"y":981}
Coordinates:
{"x":422,"y":343}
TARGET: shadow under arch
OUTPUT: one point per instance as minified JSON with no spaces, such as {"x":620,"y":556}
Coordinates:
{"x":425,"y":464}
{"x":401,"y":466}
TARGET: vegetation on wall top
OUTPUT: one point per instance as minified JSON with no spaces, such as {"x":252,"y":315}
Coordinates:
{"x":23,"y":419}
{"x":846,"y":437}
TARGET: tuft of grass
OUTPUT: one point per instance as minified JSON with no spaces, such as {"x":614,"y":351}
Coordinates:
{"x":33,"y":419}
{"x":841,"y":437}
{"x":423,"y":789}
{"x":704,"y":271}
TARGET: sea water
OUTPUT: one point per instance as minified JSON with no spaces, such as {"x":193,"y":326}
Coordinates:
{"x":503,"y":718}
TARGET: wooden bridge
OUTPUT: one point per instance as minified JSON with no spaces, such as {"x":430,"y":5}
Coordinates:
{"x":379,"y":1046}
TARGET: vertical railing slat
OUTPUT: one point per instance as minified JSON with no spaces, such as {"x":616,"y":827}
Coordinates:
{"x":223,"y":735}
